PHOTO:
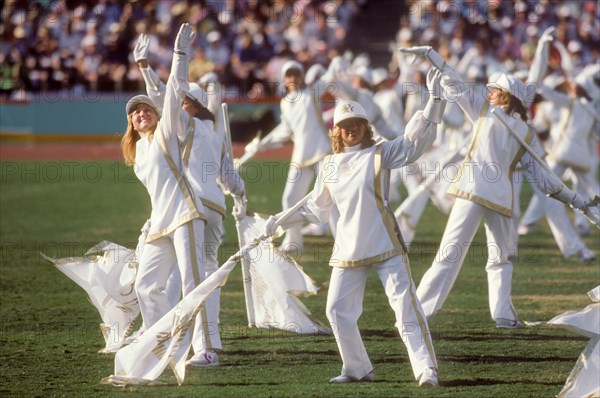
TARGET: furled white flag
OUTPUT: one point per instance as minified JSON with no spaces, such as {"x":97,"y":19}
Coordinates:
{"x":272,"y":284}
{"x":107,"y":274}
{"x":168,"y":341}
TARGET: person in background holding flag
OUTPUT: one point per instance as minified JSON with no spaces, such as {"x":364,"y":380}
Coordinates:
{"x":484,"y":191}
{"x":354,"y":181}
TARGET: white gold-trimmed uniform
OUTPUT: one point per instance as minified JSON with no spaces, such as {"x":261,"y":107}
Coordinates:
{"x":483,"y":188}
{"x":176,"y":234}
{"x":354,"y":184}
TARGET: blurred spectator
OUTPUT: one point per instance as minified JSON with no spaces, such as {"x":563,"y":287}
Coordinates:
{"x":85,"y":45}
{"x":217,"y":52}
{"x":199,"y":65}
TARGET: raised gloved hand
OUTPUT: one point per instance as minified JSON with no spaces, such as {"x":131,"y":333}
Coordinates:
{"x":140,"y":51}
{"x":337,"y":66}
{"x":548,"y":35}
{"x":425,"y":52}
{"x":434,"y":109}
{"x":239,"y":206}
{"x":434,"y":77}
{"x":184,"y":38}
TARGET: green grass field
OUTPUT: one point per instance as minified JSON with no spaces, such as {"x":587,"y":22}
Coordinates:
{"x":50,"y":336}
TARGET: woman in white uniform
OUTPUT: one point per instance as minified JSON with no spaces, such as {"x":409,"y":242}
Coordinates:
{"x":483,"y":188}
{"x":354,"y":182}
{"x":206,"y":163}
{"x":176,"y":234}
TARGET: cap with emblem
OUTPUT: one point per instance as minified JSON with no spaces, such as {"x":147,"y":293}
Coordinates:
{"x":348,"y":109}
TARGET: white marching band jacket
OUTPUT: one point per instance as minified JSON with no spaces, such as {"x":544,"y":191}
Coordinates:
{"x":302,"y":120}
{"x":205,"y":160}
{"x":158,"y":166}
{"x":486,"y":174}
{"x":356,"y":183}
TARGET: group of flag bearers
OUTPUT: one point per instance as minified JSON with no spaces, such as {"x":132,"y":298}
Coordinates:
{"x":176,"y":131}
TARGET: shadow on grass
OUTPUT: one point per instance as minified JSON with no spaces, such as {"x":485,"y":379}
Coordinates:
{"x":501,"y":335}
{"x":490,"y":382}
{"x":494,"y":359}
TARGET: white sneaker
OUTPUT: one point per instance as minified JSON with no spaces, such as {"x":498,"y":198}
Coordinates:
{"x":428,"y":378}
{"x":585,"y":255}
{"x":315,"y":230}
{"x":343,"y":379}
{"x":204,"y":359}
{"x":509,"y":324}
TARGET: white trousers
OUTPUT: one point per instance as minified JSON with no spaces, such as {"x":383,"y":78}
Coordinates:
{"x":213,"y":237}
{"x":463,"y":222}
{"x":344,"y":307}
{"x":183,"y":249}
{"x":296,"y":187}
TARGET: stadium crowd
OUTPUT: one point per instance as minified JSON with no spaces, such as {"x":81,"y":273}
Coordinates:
{"x":85,"y":46}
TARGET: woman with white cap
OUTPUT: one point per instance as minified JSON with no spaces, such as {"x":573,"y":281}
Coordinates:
{"x":353,"y":182}
{"x":176,"y":234}
{"x":206,"y":163}
{"x":483,"y":189}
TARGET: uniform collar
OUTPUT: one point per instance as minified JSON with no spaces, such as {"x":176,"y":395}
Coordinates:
{"x":355,"y":148}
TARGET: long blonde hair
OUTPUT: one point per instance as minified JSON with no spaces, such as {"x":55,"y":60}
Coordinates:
{"x":336,"y":138}
{"x":129,"y":141}
{"x":509,"y":103}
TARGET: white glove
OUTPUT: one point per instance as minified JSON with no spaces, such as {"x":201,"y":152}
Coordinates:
{"x":239,"y":207}
{"x":548,"y":35}
{"x":426,"y":52}
{"x":270,"y":228}
{"x":434,"y":109}
{"x":313,"y":73}
{"x":140,"y":51}
{"x":184,"y":39}
{"x":434,"y":77}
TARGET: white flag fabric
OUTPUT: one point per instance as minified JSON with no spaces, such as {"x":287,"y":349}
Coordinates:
{"x":168,"y":341}
{"x":275,"y":282}
{"x":583,"y":380}
{"x":108,"y":279}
